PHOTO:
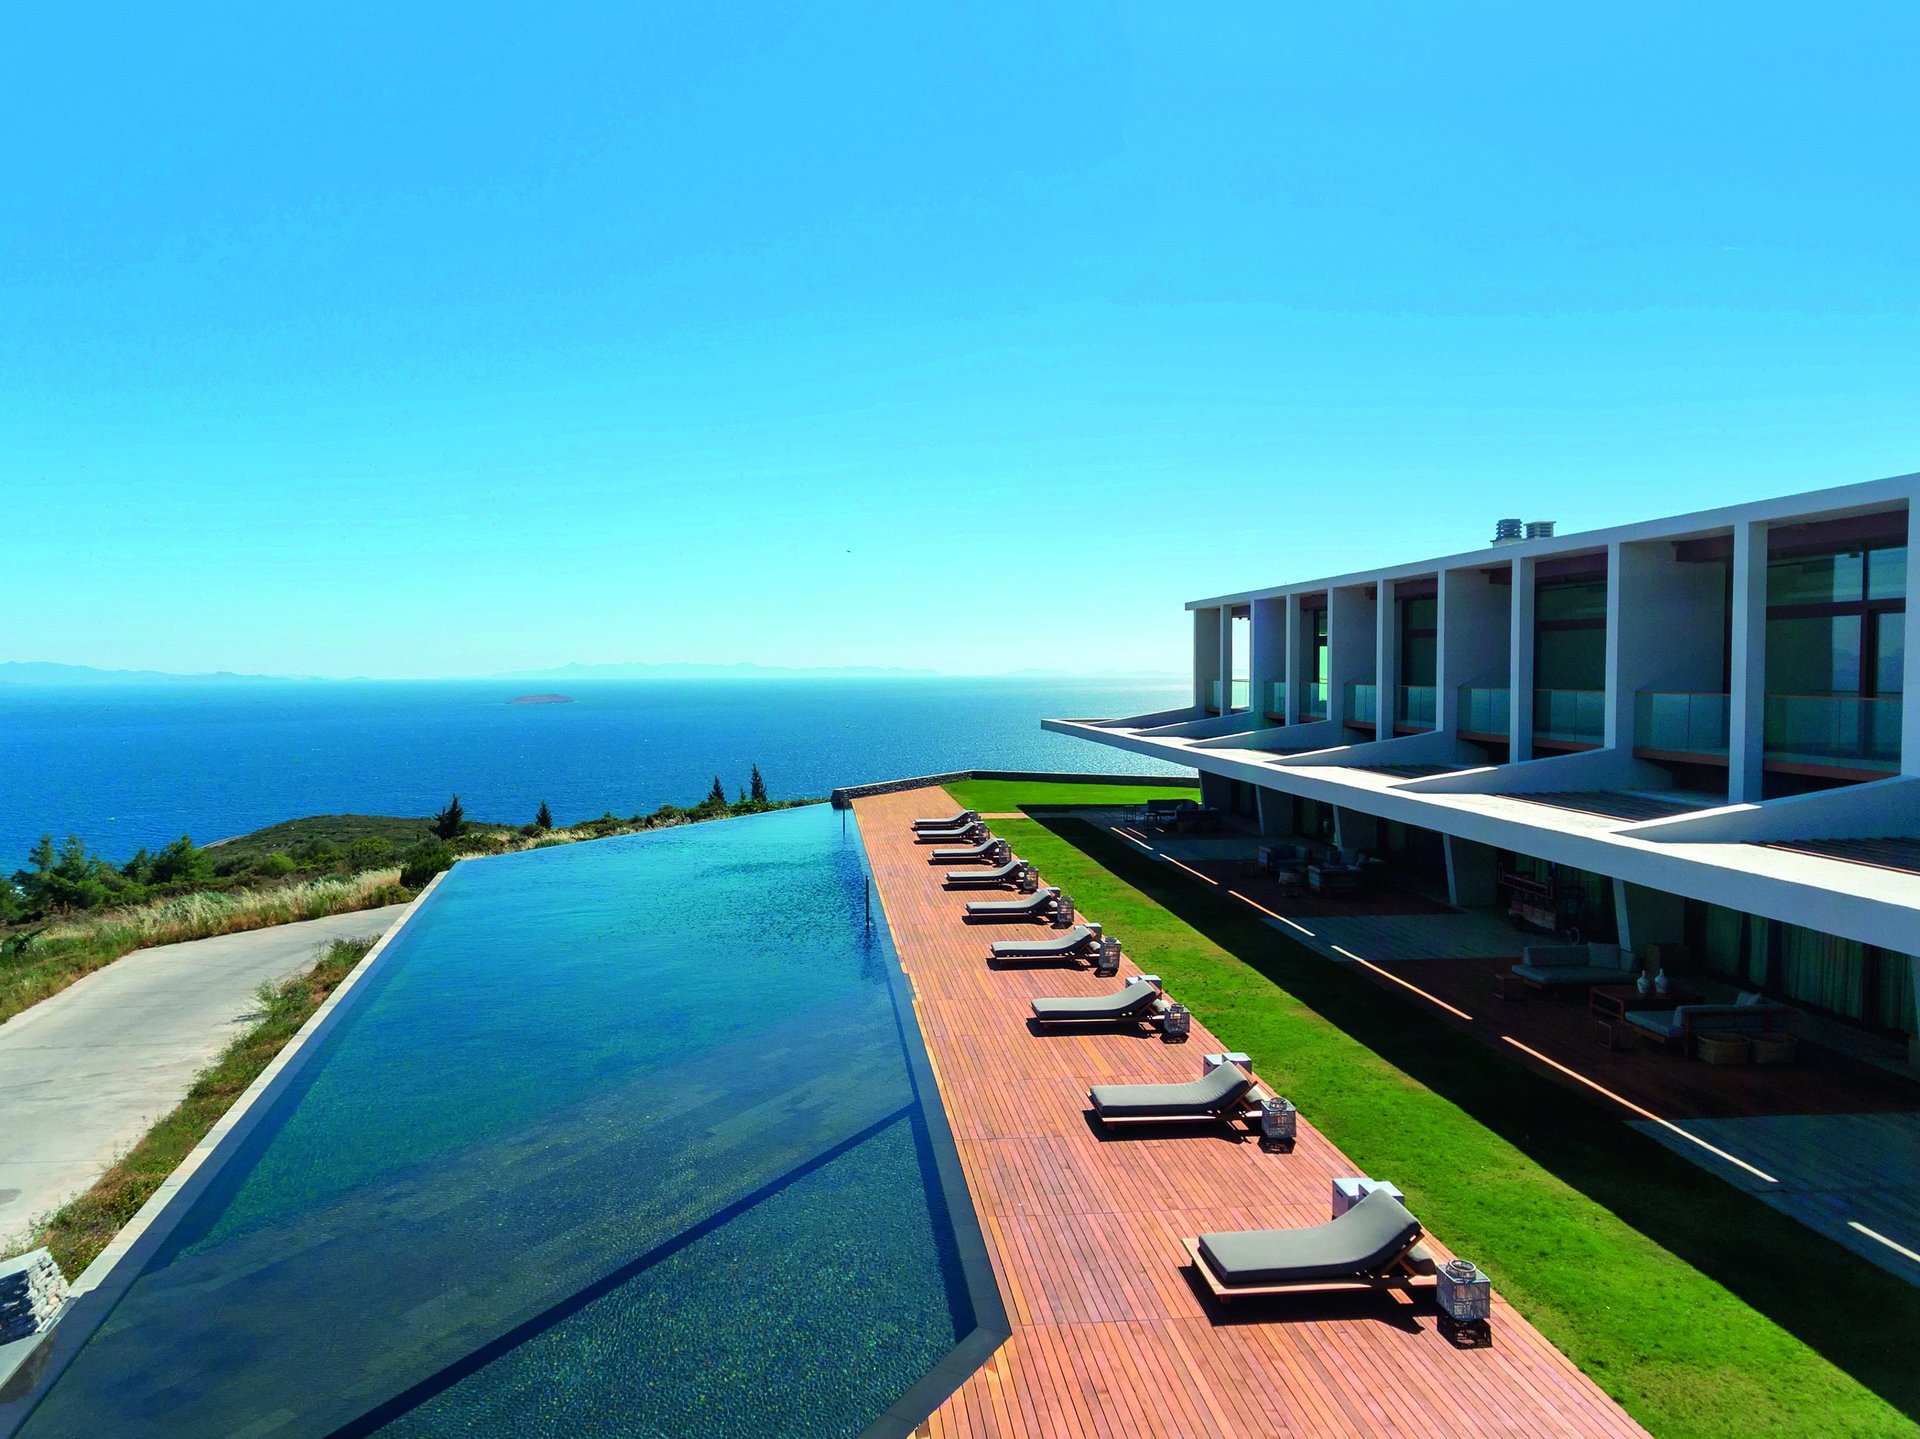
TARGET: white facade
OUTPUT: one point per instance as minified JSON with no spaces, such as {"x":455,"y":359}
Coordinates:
{"x":1672,"y":623}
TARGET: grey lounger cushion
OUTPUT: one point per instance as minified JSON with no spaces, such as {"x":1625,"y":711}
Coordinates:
{"x":1212,"y":1094}
{"x":999,"y":874}
{"x":1131,"y":1001}
{"x":1067,"y":943}
{"x":1361,"y":1244}
{"x":1037,"y":903}
{"x":972,"y":851}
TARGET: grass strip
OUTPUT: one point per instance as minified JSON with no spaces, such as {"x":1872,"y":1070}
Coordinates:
{"x":86,"y":1224}
{"x":1699,"y":1308}
{"x":1005,"y":796}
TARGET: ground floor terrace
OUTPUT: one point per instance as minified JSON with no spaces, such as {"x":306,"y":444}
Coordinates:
{"x":1700,"y":1306}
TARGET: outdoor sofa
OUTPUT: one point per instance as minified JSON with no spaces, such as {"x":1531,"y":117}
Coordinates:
{"x":1137,"y":1001}
{"x":1225,"y":1093}
{"x":1374,"y":1245}
{"x":1750,"y":1013}
{"x":1550,"y":966}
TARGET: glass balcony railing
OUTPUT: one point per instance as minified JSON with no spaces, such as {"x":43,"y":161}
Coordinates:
{"x":1416,"y":706}
{"x":1277,"y":698}
{"x":1313,"y":702}
{"x":1363,"y":703}
{"x":1486,"y":711}
{"x":1242,"y":693}
{"x":1834,"y":729}
{"x":1572,"y":715}
{"x":1678,"y":723}
{"x":1214,"y":702}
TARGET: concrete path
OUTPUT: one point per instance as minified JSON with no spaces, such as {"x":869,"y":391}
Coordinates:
{"x":84,"y":1074}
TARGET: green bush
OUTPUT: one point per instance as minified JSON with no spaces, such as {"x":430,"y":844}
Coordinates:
{"x":423,"y":863}
{"x":275,"y":865}
{"x":369,"y":851}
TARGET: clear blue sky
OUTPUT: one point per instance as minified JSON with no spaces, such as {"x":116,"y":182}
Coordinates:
{"x":417,"y":339}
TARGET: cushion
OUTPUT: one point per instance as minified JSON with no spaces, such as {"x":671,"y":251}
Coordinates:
{"x":1360,"y":1244}
{"x":1207,"y":1095}
{"x":1751,"y":996}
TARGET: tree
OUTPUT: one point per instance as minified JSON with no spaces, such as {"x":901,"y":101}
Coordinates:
{"x":450,"y":821}
{"x":71,"y":877}
{"x":717,"y":796}
{"x":758,"y":787}
{"x":182,"y":862}
{"x":544,"y":819}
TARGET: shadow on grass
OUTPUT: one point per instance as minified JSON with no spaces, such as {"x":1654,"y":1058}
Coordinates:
{"x":1856,"y":1315}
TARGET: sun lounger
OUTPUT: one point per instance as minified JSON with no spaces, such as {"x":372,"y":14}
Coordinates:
{"x":1015,"y":873}
{"x":987,"y":851}
{"x":1374,"y":1245}
{"x":1079,"y":942}
{"x":1223,"y":1094}
{"x":1136,"y":1001}
{"x":975,"y":833}
{"x":952,"y":821}
{"x":1040,"y":905}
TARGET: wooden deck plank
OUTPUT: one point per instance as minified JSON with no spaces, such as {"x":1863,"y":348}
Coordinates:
{"x":1111,"y":1339}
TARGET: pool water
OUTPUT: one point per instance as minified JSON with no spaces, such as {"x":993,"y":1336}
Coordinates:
{"x":625,"y":1138}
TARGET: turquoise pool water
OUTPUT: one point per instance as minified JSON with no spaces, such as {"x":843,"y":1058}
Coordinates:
{"x":622,"y":1139}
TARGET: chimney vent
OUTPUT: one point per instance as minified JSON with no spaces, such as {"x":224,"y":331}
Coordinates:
{"x":1506,"y":532}
{"x":1539,"y":529}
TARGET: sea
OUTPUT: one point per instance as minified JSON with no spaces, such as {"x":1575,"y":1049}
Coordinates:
{"x":140,"y":764}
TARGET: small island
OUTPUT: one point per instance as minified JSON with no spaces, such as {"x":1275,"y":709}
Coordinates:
{"x":541,"y":700}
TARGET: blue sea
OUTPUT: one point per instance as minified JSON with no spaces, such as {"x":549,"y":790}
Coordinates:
{"x":141,"y":764}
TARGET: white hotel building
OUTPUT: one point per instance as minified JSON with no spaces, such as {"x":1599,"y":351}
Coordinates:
{"x":1688,"y":731}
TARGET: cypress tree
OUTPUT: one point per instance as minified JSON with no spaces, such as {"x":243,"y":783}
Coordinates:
{"x":545,"y":818}
{"x":451,"y":820}
{"x":758,"y":788}
{"x":717,"y":796}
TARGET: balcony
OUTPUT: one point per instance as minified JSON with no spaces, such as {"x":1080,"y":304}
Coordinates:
{"x":1487,"y":712}
{"x":1277,"y":700}
{"x":1313,"y":702}
{"x":1415,"y":708}
{"x":1675,"y":723}
{"x":1573,"y":717}
{"x":1833,"y":732}
{"x":1363,"y":703}
{"x":1240,"y":695}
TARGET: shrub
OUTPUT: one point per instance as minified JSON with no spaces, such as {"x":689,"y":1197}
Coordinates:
{"x":370,"y":851}
{"x":275,"y":865}
{"x":423,"y":863}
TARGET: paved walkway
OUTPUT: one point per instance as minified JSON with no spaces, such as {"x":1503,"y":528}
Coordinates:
{"x":84,"y":1074}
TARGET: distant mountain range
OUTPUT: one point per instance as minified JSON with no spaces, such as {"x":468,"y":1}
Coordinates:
{"x":37,"y":673}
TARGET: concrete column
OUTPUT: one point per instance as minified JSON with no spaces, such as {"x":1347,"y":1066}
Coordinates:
{"x":1206,"y":654}
{"x":1267,"y":662}
{"x":1216,"y":791}
{"x":1616,"y":723}
{"x":1475,"y":616}
{"x":1276,"y":812}
{"x":1910,"y":703}
{"x":1355,"y":830}
{"x":1647,"y":917}
{"x":1386,"y":660}
{"x":1747,"y":701}
{"x":1351,"y":636}
{"x":1296,"y":667}
{"x":1226,"y":658}
{"x":1473,"y":873}
{"x":1520,"y":662}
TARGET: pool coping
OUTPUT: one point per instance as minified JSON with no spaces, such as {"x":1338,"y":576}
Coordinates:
{"x":103,"y":1282}
{"x":991,"y":1326}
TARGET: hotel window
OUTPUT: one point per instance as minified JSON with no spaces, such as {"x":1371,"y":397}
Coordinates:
{"x":1570,"y":639}
{"x":1836,"y":641}
{"x":1419,"y":641}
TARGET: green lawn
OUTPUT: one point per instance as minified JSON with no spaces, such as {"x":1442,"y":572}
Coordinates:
{"x":1004,"y":796}
{"x":1700,"y":1309}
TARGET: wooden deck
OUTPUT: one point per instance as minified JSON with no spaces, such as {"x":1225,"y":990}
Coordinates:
{"x":1110,"y":1336}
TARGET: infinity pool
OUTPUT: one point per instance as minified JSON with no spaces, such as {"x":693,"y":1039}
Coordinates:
{"x":629,"y":1138}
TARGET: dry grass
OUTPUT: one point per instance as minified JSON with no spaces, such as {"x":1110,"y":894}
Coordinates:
{"x":54,"y":958}
{"x":86,"y":1224}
